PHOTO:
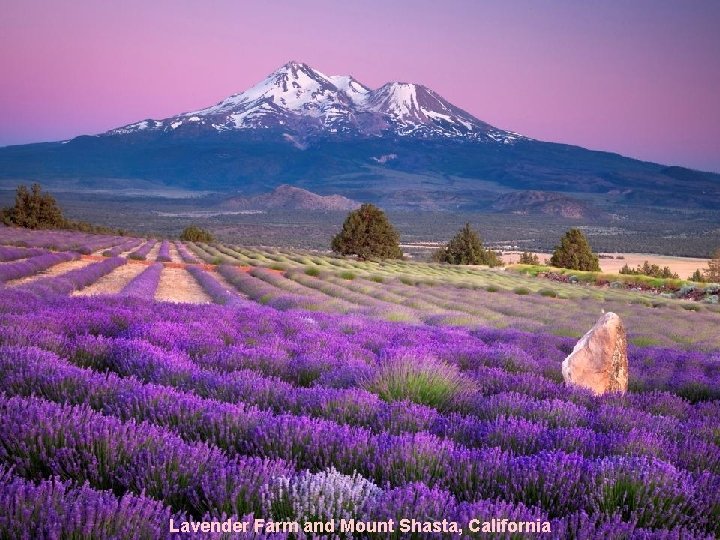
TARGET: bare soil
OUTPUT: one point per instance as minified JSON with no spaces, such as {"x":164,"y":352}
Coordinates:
{"x":177,"y":285}
{"x":113,"y":282}
{"x":53,"y":271}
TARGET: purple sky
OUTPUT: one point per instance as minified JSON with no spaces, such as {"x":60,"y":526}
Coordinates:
{"x":641,"y":78}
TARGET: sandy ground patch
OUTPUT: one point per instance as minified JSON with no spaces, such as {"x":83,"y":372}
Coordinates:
{"x":113,"y":282}
{"x":53,"y":271}
{"x":177,"y":285}
{"x":152,"y":255}
{"x":174,"y":254}
{"x":683,"y":266}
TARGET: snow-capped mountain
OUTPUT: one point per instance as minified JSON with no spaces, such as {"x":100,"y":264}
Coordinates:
{"x":299,"y":101}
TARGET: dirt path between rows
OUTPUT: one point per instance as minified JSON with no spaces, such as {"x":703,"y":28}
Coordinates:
{"x":113,"y":282}
{"x":53,"y":271}
{"x":177,"y":285}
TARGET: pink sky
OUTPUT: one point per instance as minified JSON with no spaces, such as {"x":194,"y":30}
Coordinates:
{"x":640,"y":78}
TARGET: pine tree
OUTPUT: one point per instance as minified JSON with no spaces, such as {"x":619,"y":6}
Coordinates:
{"x":529,"y":258}
{"x":712,"y":274}
{"x":574,"y":252}
{"x":697,"y":276}
{"x":466,"y":248}
{"x":34,"y":209}
{"x":368,"y":233}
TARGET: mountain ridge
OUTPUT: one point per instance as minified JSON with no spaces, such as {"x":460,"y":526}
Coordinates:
{"x":303,"y":102}
{"x":400,"y":145}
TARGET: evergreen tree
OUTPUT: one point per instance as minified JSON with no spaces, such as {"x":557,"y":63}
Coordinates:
{"x":196,"y":234}
{"x":34,"y":209}
{"x":712,"y":274}
{"x":574,"y":252}
{"x":697,"y":276}
{"x":528,"y":258}
{"x":466,"y":248}
{"x":368,"y":233}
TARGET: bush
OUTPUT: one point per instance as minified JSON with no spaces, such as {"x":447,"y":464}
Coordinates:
{"x":466,"y":248}
{"x":347,"y":275}
{"x":548,"y":292}
{"x":312,"y":271}
{"x":712,"y":274}
{"x":425,"y":381}
{"x":652,"y":270}
{"x":521,"y":290}
{"x":34,"y":210}
{"x":196,"y":234}
{"x":574,"y":252}
{"x":321,"y":496}
{"x":529,"y":258}
{"x":368,"y":233}
{"x":697,"y":276}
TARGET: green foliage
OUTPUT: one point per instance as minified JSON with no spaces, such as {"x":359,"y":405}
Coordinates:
{"x":424,"y":381}
{"x":697,"y":276}
{"x":34,"y":210}
{"x":312,"y":271}
{"x":196,"y":234}
{"x":652,"y":270}
{"x":347,"y":275}
{"x":521,"y":291}
{"x":466,"y":248}
{"x":550,"y":293}
{"x":574,"y":252}
{"x":368,"y":233}
{"x":712,"y":274}
{"x":529,"y":258}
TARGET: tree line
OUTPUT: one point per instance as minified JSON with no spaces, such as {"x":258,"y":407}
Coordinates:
{"x":368,"y":234}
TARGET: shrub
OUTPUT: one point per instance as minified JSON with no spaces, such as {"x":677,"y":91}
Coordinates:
{"x":319,"y":497}
{"x":574,"y":252}
{"x":548,"y":292}
{"x":652,"y":270}
{"x":368,"y":233}
{"x":529,"y":258}
{"x":697,"y":276}
{"x":196,"y":234}
{"x":492,"y":288}
{"x":424,"y":381}
{"x":34,"y":210}
{"x":347,"y":275}
{"x":466,"y":248}
{"x":521,"y":290}
{"x":312,"y":271}
{"x":712,"y":274}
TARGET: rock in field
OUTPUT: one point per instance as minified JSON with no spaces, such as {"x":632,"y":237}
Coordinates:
{"x":599,"y":360}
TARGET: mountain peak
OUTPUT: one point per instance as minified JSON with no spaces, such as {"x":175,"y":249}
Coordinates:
{"x":300,"y":102}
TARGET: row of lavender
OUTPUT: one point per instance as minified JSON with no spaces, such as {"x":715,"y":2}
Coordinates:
{"x":509,"y":431}
{"x":58,"y":240}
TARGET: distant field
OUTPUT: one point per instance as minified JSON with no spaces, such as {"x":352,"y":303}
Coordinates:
{"x":683,"y":266}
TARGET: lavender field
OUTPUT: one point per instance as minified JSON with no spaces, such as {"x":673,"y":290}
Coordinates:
{"x":299,"y":386}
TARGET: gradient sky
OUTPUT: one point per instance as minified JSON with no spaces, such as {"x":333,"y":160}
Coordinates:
{"x":641,"y":78}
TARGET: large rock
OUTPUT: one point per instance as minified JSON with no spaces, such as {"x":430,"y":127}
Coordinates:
{"x":599,"y":360}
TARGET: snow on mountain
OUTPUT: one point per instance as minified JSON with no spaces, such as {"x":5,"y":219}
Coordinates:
{"x":301,"y":101}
